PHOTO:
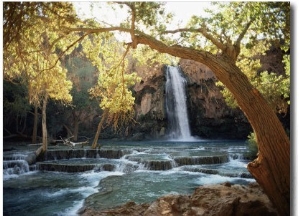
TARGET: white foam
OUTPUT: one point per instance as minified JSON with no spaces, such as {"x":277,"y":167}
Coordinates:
{"x":217,"y":179}
{"x":94,"y":177}
{"x":85,"y":191}
{"x":235,"y":163}
{"x":9,"y":174}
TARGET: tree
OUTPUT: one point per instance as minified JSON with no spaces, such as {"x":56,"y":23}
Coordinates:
{"x":32,"y":49}
{"x":217,"y":42}
{"x":83,"y":76}
{"x":15,"y":108}
{"x":113,"y":85}
{"x":274,"y":86}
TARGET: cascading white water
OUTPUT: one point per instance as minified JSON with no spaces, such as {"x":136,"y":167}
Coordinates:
{"x":176,"y":105}
{"x":178,"y":167}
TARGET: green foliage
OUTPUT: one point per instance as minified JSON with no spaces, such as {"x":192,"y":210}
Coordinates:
{"x":38,"y":34}
{"x":225,"y":21}
{"x":252,"y":143}
{"x":229,"y":99}
{"x":113,"y":85}
{"x":276,"y":90}
{"x":83,"y":76}
{"x":150,"y":17}
{"x":32,"y":54}
{"x":22,"y":19}
{"x":15,"y":106}
{"x":146,"y":56}
{"x":15,"y":100}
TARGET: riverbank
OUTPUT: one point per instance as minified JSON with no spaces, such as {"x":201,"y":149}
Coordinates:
{"x":218,"y":200}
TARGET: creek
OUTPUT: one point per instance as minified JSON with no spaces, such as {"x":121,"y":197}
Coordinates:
{"x":67,"y":179}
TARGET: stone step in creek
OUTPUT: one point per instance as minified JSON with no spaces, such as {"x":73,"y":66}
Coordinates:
{"x":195,"y":160}
{"x":118,"y":160}
{"x":83,"y":153}
{"x":70,"y":168}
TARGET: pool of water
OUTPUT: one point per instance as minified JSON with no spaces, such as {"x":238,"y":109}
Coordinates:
{"x":62,"y":193}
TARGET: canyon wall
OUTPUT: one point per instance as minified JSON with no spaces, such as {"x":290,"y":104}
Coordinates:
{"x":209,"y":116}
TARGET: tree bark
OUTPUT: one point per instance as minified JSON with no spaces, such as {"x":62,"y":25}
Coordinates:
{"x":272,"y":167}
{"x":76,"y":127}
{"x":35,"y":123}
{"x":44,"y":124}
{"x":69,"y":131}
{"x":103,"y":118}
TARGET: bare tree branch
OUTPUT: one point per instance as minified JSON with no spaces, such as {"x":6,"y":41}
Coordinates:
{"x":241,"y":36}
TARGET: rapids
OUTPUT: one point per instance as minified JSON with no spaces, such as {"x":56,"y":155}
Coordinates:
{"x":117,"y":173}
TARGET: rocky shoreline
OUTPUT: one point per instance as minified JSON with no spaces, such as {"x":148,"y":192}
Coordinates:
{"x":218,"y":200}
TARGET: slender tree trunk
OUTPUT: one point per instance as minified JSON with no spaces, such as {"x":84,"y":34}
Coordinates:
{"x":24,"y":124}
{"x":68,"y":131}
{"x":17,"y":124}
{"x":76,"y":128}
{"x":35,"y":123}
{"x":272,"y":167}
{"x":44,"y":124}
{"x":103,"y":118}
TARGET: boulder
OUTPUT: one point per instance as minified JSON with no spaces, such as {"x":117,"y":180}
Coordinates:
{"x":218,"y":200}
{"x":31,"y":158}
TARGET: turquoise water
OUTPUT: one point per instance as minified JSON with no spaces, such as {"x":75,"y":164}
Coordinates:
{"x":59,"y":193}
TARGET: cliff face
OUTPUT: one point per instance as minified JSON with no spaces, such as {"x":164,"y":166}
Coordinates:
{"x":149,"y":104}
{"x":209,"y":116}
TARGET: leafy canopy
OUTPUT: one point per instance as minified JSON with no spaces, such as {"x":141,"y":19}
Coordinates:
{"x":113,"y":85}
{"x":42,"y":32}
{"x":243,"y":31}
{"x":33,"y":45}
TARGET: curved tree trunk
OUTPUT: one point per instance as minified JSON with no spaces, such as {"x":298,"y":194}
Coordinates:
{"x":272,"y":167}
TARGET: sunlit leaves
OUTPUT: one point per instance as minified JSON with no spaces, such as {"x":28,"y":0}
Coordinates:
{"x":147,"y":56}
{"x":269,"y":24}
{"x":52,"y":82}
{"x":226,"y":21}
{"x":109,"y":56}
{"x":150,"y":17}
{"x":229,"y":99}
{"x":275,"y":89}
{"x":33,"y":53}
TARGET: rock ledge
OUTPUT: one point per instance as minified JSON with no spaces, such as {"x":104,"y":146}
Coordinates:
{"x":218,"y":200}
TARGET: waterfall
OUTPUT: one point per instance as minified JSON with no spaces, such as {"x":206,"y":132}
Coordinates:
{"x":178,"y":122}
